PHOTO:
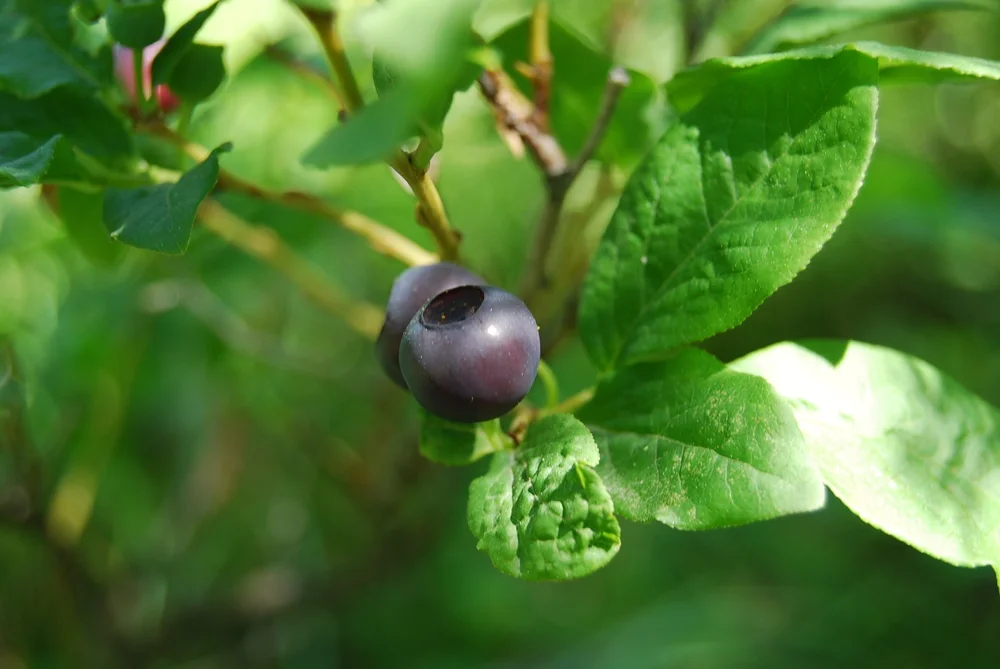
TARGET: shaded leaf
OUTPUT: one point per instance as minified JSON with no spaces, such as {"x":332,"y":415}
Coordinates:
{"x":695,"y":446}
{"x":178,"y":44}
{"x":542,"y":512}
{"x":729,"y":206}
{"x":458,"y":444}
{"x":896,"y":64}
{"x":810,"y":22}
{"x":160,"y":218}
{"x":136,"y":23}
{"x":198,"y":73}
{"x":25,"y":160}
{"x":902,"y":445}
{"x":37,"y":53}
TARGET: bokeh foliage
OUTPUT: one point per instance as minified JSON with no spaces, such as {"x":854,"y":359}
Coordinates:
{"x":242,"y":487}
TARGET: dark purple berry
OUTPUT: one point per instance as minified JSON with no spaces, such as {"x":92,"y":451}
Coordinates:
{"x":410,"y":291}
{"x":471,"y":354}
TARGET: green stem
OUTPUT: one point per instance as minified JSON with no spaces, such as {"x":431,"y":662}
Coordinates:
{"x":140,"y":88}
{"x":325,"y":25}
{"x":184,"y":122}
{"x":571,"y":404}
{"x":551,"y":383}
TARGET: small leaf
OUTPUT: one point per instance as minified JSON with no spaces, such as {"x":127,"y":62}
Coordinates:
{"x":902,"y":445}
{"x":542,"y":512}
{"x":24,"y":160}
{"x":160,"y":218}
{"x":729,"y":206}
{"x":695,"y":446}
{"x":808,"y":23}
{"x":36,"y":50}
{"x":372,"y":134}
{"x":457,"y":444}
{"x":896,"y":64}
{"x":178,"y":43}
{"x":198,"y":73}
{"x":424,"y":44}
{"x":136,"y":23}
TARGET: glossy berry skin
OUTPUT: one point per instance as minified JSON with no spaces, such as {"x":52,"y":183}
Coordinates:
{"x":410,"y":291}
{"x":471,"y":354}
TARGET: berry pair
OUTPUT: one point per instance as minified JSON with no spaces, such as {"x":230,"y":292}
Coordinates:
{"x":467,"y":351}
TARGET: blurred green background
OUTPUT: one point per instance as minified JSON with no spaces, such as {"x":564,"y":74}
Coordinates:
{"x":233,"y":483}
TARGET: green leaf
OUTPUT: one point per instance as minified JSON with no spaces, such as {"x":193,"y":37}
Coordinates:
{"x":136,"y":23}
{"x":811,"y":22}
{"x":82,"y":119}
{"x":37,"y":53}
{"x":730,"y":205}
{"x":372,"y":134}
{"x":160,"y":218}
{"x":695,"y":446}
{"x":431,"y":119}
{"x":542,"y":512}
{"x":25,"y":160}
{"x":424,"y":43}
{"x":896,"y":64}
{"x":902,"y":445}
{"x":198,"y":73}
{"x":82,"y":214}
{"x":577,"y":91}
{"x":178,"y":44}
{"x":457,"y":444}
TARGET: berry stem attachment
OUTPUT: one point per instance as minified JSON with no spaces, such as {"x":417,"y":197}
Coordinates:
{"x":430,"y":211}
{"x":571,"y":404}
{"x":551,"y":383}
{"x":263,"y":244}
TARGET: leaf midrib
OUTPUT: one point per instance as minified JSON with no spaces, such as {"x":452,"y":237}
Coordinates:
{"x":722,"y":220}
{"x":663,"y":437}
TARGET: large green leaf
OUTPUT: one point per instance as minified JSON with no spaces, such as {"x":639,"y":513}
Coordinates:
{"x":695,"y":446}
{"x":730,"y":205}
{"x":901,"y":444}
{"x":37,"y":52}
{"x":459,"y":444}
{"x":809,"y":22}
{"x":541,"y":512}
{"x":160,"y":218}
{"x":896,"y":64}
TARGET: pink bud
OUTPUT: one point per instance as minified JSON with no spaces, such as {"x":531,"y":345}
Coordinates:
{"x":125,"y":72}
